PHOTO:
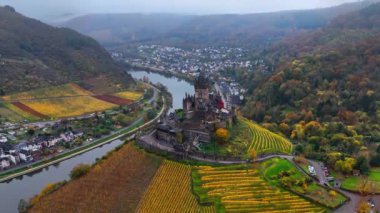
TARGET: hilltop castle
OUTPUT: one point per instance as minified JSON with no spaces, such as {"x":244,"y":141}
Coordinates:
{"x":202,"y":103}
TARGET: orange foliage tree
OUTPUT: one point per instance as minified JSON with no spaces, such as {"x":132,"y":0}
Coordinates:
{"x":221,"y":135}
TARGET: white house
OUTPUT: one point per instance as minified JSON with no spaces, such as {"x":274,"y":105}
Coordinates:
{"x":4,"y":163}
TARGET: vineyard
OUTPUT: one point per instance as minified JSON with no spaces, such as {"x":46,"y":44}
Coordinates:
{"x":170,"y":191}
{"x":113,"y":185}
{"x":20,"y":112}
{"x":29,"y":110}
{"x":68,"y":100}
{"x":113,"y":99}
{"x":265,"y":141}
{"x":67,"y":90}
{"x":235,"y":189}
{"x":68,"y":107}
{"x":129,"y":95}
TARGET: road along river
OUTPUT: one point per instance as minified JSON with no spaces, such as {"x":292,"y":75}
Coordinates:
{"x":26,"y":186}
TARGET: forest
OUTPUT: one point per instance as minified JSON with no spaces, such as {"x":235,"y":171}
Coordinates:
{"x":324,"y":90}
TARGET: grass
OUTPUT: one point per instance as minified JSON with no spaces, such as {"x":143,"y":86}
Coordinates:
{"x":10,"y":115}
{"x":20,"y":112}
{"x":129,"y":95}
{"x":353,"y":182}
{"x":271,"y":169}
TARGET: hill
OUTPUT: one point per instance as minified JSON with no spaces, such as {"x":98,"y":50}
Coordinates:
{"x":250,"y":30}
{"x":325,"y":87}
{"x":119,"y":29}
{"x":35,"y":55}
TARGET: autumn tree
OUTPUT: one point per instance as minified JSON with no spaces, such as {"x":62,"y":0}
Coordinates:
{"x":221,"y":135}
{"x":332,"y":193}
{"x":345,"y":166}
{"x":253,"y":154}
{"x":363,"y":207}
{"x":79,"y":170}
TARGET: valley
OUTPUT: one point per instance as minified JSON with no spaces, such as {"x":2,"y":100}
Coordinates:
{"x":145,"y":112}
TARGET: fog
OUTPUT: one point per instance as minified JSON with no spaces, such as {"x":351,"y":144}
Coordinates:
{"x":56,"y":9}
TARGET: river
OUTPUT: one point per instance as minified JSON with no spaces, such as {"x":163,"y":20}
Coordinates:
{"x":28,"y":185}
{"x":177,"y":87}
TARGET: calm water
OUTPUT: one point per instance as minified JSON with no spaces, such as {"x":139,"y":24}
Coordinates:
{"x":177,"y":87}
{"x":28,"y":185}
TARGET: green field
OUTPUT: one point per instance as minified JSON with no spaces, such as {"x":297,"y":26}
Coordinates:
{"x":9,"y":115}
{"x":353,"y":183}
{"x":273,"y":169}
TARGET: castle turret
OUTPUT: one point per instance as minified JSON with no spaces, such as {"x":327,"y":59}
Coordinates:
{"x":201,"y":85}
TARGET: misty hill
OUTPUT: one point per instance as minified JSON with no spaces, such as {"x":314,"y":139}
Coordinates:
{"x":116,"y":29}
{"x":252,"y":29}
{"x":33,"y":55}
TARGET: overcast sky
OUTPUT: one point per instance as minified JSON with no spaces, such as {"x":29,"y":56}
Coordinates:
{"x":52,"y":9}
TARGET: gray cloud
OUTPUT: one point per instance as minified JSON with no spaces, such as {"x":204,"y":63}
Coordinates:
{"x":50,"y":9}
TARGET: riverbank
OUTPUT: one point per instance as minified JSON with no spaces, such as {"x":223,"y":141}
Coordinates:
{"x":165,"y":73}
{"x":125,"y":132}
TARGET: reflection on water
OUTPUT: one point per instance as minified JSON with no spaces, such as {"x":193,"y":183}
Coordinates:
{"x":177,"y":87}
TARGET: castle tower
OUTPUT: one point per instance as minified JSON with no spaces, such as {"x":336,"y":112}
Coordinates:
{"x":201,"y":86}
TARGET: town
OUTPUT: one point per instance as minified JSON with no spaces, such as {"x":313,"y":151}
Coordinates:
{"x":188,"y":62}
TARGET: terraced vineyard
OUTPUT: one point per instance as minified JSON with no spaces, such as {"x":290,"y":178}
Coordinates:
{"x":242,"y":190}
{"x":265,"y":141}
{"x":170,"y":191}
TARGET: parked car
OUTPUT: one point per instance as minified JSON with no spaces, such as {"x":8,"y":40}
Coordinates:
{"x":371,"y":203}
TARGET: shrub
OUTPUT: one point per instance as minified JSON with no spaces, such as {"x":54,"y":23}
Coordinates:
{"x":300,"y":160}
{"x":362,"y":165}
{"x":221,"y":135}
{"x":79,"y":170}
{"x":375,"y":160}
{"x":332,"y":193}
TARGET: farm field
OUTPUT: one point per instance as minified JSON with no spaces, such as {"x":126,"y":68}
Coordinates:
{"x":241,"y":189}
{"x":68,"y":107}
{"x":281,"y":172}
{"x":129,"y":95}
{"x":113,"y":99}
{"x":353,"y":183}
{"x":114,"y":185}
{"x":20,"y":112}
{"x":67,"y":90}
{"x":68,"y":100}
{"x":265,"y":141}
{"x":170,"y":191}
{"x":9,"y":114}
